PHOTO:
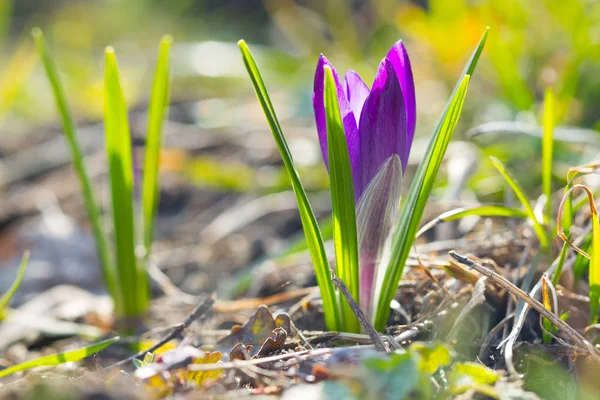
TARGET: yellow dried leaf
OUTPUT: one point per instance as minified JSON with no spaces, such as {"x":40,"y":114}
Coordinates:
{"x":201,"y":378}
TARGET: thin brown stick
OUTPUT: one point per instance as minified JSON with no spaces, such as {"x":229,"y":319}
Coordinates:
{"x":360,"y":315}
{"x":200,"y":311}
{"x":563,"y":327}
{"x":297,"y":357}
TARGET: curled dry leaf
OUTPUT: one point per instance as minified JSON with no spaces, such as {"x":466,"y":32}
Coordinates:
{"x":273,"y":343}
{"x":240,"y":352}
{"x":257,"y":330}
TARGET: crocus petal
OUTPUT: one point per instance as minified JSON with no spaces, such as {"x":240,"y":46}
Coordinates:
{"x":376,"y":214}
{"x":356,"y":92}
{"x":350,"y":126}
{"x":382,"y":128}
{"x":398,"y":56}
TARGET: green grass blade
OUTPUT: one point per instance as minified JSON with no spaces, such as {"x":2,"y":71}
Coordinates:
{"x":6,"y":297}
{"x":118,"y":149}
{"x":309,"y":222}
{"x":514,"y":185}
{"x":158,"y":109}
{"x":560,"y":264}
{"x":342,"y":201}
{"x":581,"y":264}
{"x":547,"y":144}
{"x":61,"y":358}
{"x":479,"y":211}
{"x":594,"y":266}
{"x":91,"y":206}
{"x":412,"y":210}
{"x":472,"y":63}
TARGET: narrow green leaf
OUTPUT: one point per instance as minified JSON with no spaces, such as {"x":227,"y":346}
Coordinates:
{"x":91,"y":206}
{"x":568,"y":211}
{"x":309,"y":222}
{"x":472,"y":63}
{"x":158,"y":109}
{"x":118,"y":149}
{"x":6,"y":297}
{"x":61,"y":358}
{"x":547,"y":144}
{"x":512,"y":182}
{"x":412,"y":210}
{"x":560,"y":264}
{"x":342,"y":201}
{"x":488,"y":210}
{"x":581,"y":264}
{"x":594,"y":266}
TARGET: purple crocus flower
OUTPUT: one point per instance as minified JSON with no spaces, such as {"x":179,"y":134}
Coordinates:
{"x":379,"y":124}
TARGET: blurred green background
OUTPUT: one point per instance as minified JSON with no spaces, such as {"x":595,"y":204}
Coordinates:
{"x":533,"y":45}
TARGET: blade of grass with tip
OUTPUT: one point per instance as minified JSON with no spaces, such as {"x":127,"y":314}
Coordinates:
{"x":309,"y":222}
{"x":158,"y":109}
{"x":547,"y":144}
{"x":479,"y":211}
{"x":412,"y":209}
{"x":6,"y":297}
{"x":342,"y":201}
{"x":60,"y":358}
{"x":594,"y":264}
{"x":68,"y":124}
{"x":514,"y":185}
{"x":118,"y":149}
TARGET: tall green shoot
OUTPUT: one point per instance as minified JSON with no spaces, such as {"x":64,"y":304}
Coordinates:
{"x":159,"y":102}
{"x":93,"y":211}
{"x":413,"y":207}
{"x":547,"y":145}
{"x":125,"y":276}
{"x":119,"y":153}
{"x":594,"y":256}
{"x":342,"y":200}
{"x":312,"y":232}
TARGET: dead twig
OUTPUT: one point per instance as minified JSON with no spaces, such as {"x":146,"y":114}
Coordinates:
{"x":567,"y":331}
{"x":364,"y":322}
{"x":291,"y":358}
{"x":200,"y":311}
